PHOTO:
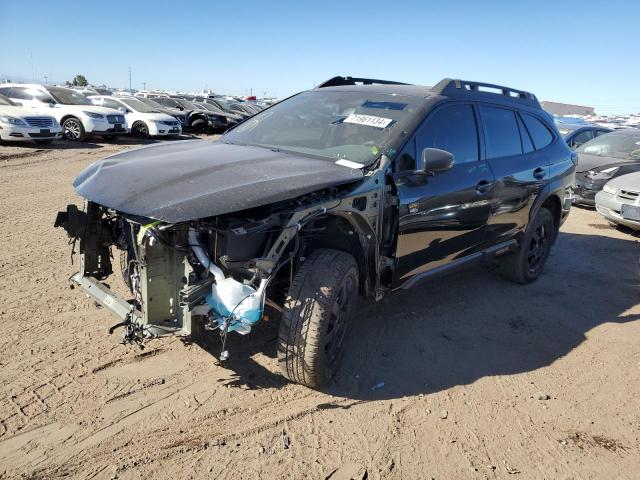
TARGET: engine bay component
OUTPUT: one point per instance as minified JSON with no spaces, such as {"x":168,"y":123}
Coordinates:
{"x":235,"y":306}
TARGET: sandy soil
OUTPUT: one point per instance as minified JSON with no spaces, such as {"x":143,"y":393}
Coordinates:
{"x":466,"y":363}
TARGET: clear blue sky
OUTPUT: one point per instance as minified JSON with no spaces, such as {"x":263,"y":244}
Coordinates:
{"x":584,"y":52}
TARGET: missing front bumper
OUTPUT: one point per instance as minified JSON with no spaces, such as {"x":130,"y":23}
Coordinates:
{"x":121,"y":308}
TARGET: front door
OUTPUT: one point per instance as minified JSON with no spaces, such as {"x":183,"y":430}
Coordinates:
{"x":443,"y":216}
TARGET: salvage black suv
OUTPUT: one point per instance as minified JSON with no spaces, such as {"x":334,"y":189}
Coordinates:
{"x":352,"y":190}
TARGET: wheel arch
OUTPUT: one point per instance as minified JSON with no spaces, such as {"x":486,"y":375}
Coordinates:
{"x":68,"y":116}
{"x":552,"y":202}
{"x":349,"y":232}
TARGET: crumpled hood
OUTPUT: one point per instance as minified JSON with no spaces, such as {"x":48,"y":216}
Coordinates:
{"x":186,"y":180}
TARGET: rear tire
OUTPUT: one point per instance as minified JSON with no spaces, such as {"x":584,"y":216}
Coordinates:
{"x":73,"y":129}
{"x":526,"y":265}
{"x":316,"y":316}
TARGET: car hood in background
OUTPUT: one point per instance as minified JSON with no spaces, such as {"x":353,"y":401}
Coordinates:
{"x":160,"y":117}
{"x":630,"y":181}
{"x":25,"y":111}
{"x":587,"y":162}
{"x":187,"y":180}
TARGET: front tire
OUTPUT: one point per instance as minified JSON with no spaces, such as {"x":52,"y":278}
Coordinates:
{"x":140,"y":129}
{"x":316,"y":316}
{"x":73,"y":130}
{"x":526,"y":265}
{"x":200,"y":126}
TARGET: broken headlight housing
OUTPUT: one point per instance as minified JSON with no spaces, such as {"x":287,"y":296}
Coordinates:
{"x":604,"y":174}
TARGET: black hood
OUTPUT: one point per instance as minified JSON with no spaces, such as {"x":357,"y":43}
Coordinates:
{"x":187,"y":180}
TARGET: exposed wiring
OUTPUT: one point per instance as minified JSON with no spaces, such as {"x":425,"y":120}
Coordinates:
{"x":224,"y":354}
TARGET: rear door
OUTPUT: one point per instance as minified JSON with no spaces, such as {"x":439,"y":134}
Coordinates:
{"x":442,"y":216}
{"x":520,"y":169}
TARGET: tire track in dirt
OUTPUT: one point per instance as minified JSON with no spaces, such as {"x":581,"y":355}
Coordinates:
{"x":75,"y":403}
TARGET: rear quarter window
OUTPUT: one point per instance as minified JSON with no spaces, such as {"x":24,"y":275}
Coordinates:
{"x":540,"y":133}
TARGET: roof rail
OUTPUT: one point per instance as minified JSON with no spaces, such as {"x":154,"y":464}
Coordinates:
{"x":340,"y":81}
{"x":450,"y":87}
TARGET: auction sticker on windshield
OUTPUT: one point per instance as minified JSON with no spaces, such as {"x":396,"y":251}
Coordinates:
{"x":369,"y":120}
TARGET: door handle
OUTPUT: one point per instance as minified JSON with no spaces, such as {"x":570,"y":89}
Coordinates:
{"x":539,"y":173}
{"x":484,"y":186}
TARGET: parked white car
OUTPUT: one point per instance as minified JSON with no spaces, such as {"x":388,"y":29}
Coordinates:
{"x":75,"y":112}
{"x":142,"y":119}
{"x":619,"y":200}
{"x":18,"y":123}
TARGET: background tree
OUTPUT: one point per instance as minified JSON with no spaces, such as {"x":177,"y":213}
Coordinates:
{"x":80,"y":81}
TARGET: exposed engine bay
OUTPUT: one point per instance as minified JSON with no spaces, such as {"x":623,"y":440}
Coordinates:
{"x":220,"y":273}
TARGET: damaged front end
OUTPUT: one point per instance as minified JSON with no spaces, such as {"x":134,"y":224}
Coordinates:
{"x":216,"y":273}
{"x":172,"y":270}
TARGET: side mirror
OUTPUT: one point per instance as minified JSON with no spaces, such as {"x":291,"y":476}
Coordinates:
{"x":122,"y":109}
{"x":436,"y":160}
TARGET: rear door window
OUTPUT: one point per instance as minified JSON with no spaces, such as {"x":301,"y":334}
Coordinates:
{"x":501,"y":133}
{"x":540,"y":134}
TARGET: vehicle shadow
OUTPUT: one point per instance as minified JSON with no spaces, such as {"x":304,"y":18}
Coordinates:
{"x":247,"y":373}
{"x":458,"y":329}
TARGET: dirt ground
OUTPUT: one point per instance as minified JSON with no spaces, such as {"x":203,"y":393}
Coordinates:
{"x":463,"y":366}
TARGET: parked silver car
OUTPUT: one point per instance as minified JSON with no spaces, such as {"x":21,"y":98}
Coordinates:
{"x":619,"y":200}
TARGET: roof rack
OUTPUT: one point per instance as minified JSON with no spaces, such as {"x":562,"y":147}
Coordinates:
{"x":450,"y":87}
{"x":340,"y":81}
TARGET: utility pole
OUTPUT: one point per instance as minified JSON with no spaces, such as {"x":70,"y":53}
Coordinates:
{"x":46,"y":78}
{"x":129,"y":78}
{"x":144,"y":85}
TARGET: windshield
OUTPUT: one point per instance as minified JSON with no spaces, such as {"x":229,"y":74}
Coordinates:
{"x":151,"y":103}
{"x":168,"y":102}
{"x":5,"y":101}
{"x":187,"y":104}
{"x":222,"y":103}
{"x":68,"y":97}
{"x":206,"y":106}
{"x":352,"y":126}
{"x":139,"y":106}
{"x":566,"y":129}
{"x":625,"y":145}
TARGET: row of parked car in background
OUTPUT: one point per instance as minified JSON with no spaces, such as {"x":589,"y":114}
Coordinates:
{"x":42,"y":113}
{"x":607,"y":174}
{"x":608,"y":169}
